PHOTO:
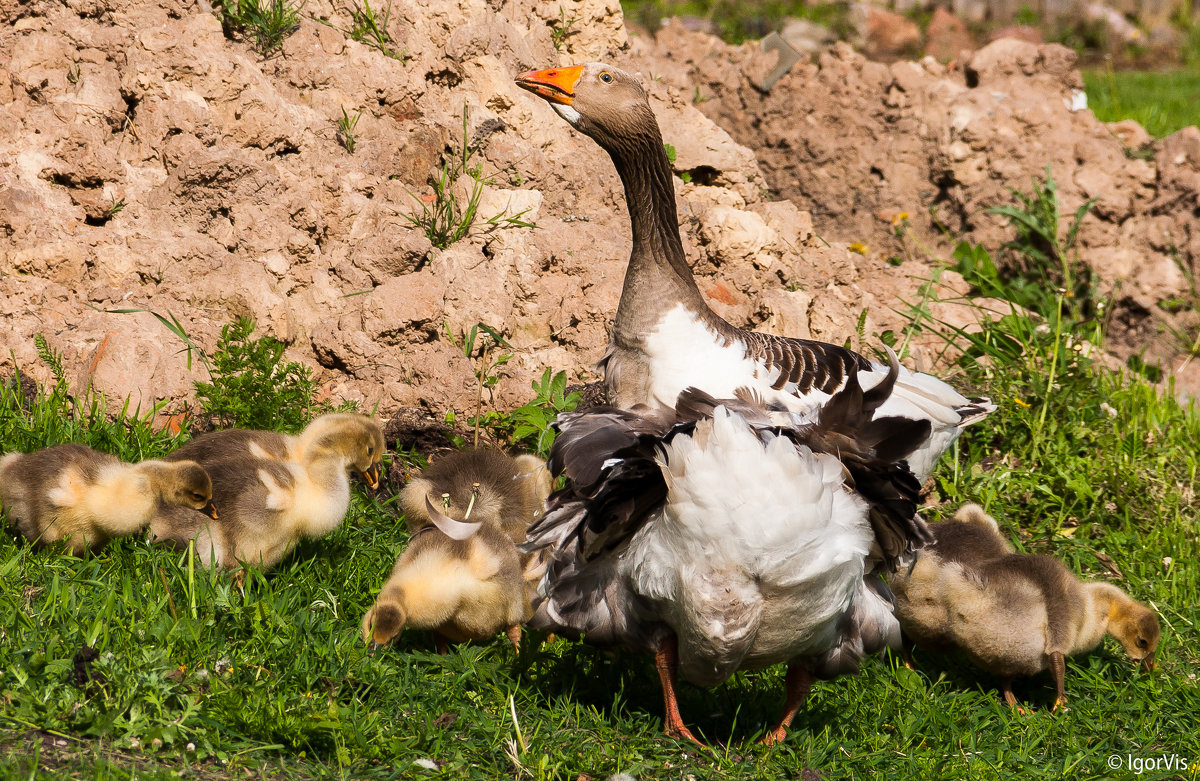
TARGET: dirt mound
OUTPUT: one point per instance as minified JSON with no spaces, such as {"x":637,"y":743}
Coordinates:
{"x":149,"y":162}
{"x":857,"y":143}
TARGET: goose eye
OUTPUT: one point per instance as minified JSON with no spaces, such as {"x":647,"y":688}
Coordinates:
{"x":606,"y":77}
{"x":1141,"y":642}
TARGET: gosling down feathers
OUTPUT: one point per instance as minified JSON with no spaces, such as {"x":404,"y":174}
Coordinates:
{"x":1012,"y":614}
{"x":718,"y":538}
{"x":462,"y":575}
{"x":277,"y":488}
{"x":477,"y":485}
{"x":665,"y":338}
{"x":85,"y":497}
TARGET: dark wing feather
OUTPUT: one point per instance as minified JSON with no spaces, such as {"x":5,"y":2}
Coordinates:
{"x":873,"y":452}
{"x":614,"y":485}
{"x":609,"y":457}
{"x":809,"y":364}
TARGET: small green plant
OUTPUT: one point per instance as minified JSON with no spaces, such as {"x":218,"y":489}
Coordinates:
{"x":1027,"y":16}
{"x":370,"y":28}
{"x":562,"y":29}
{"x":114,"y":208}
{"x":252,"y":386}
{"x":1048,"y":266}
{"x":266,"y":22}
{"x":685,"y":176}
{"x":51,"y":357}
{"x":445,"y":218}
{"x":483,"y":352}
{"x":73,"y":73}
{"x":530,"y":423}
{"x":345,"y":130}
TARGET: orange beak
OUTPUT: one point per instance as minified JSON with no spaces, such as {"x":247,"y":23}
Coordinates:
{"x":210,"y":509}
{"x":371,"y":476}
{"x":556,"y":85}
{"x":1148,"y":661}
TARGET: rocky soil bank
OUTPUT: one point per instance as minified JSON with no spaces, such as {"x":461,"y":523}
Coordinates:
{"x":148,"y":161}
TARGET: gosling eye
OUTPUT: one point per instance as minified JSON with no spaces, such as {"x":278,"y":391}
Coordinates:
{"x":199,"y":497}
{"x":606,"y":77}
{"x":1141,"y":642}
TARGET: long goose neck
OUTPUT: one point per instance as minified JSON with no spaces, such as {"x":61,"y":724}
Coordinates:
{"x":658,"y":275}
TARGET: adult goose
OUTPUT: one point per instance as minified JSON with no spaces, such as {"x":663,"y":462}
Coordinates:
{"x":665,"y":338}
{"x":717,"y":539}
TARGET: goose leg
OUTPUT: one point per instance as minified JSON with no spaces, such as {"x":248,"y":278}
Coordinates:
{"x":441,"y":643}
{"x":798,"y":682}
{"x":906,"y":646}
{"x":1058,"y":668}
{"x":1010,"y":699}
{"x":666,"y":661}
{"x":514,"y":637}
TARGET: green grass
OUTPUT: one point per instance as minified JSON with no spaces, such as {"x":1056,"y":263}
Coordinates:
{"x":739,"y":22}
{"x":1162,"y":102}
{"x":445,"y":218}
{"x":265,"y":22}
{"x":277,"y":680}
{"x":195,"y":678}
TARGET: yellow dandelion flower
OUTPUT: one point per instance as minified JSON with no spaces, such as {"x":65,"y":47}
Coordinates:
{"x":899,"y":218}
{"x":1020,"y":403}
{"x":858,"y":247}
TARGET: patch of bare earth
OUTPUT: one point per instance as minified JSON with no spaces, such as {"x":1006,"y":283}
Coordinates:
{"x":149,"y":162}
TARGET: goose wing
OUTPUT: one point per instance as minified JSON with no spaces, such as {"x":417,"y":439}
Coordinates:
{"x":608,"y":456}
{"x":872,"y":449}
{"x":803,"y":365}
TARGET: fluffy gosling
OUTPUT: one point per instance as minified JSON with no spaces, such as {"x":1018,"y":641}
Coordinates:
{"x":480,"y":485}
{"x":1012,"y":614}
{"x":276,"y":489}
{"x":463,"y":577}
{"x":73,"y":493}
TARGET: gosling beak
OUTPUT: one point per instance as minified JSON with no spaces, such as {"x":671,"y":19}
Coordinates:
{"x":371,"y":476}
{"x":1148,"y":661}
{"x":556,"y":85}
{"x":210,"y":510}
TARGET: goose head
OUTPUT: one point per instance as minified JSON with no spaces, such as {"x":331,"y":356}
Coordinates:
{"x":598,"y":100}
{"x":356,"y":439}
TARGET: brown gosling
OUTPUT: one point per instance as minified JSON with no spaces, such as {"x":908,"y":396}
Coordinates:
{"x":480,"y":485}
{"x":354,"y":430}
{"x":462,"y":575}
{"x":277,"y":489}
{"x":73,"y":493}
{"x":1013,"y":614}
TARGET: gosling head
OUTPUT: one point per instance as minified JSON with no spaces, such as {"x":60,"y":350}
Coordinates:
{"x":383,"y":622}
{"x":356,"y":438}
{"x":1136,"y":628}
{"x":973,"y":513}
{"x":185,"y":484}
